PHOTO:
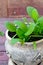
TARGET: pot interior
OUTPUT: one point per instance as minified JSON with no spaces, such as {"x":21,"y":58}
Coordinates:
{"x":11,"y":34}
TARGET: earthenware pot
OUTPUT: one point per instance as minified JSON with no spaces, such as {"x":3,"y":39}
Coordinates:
{"x":23,"y":55}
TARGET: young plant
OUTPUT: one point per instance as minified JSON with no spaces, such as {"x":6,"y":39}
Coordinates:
{"x":26,"y":30}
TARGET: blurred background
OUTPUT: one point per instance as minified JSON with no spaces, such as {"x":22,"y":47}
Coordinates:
{"x":10,"y":10}
{"x":17,"y":8}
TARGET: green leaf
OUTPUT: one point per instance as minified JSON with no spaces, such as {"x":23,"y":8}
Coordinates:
{"x":40,"y":24}
{"x":35,"y":15}
{"x":10,"y":26}
{"x":21,"y":25}
{"x":34,"y":45}
{"x":29,"y":10}
{"x":37,"y":30}
{"x":40,"y":21}
{"x":30,"y":29}
{"x":1,"y":33}
{"x":20,"y":33}
{"x":14,"y":41}
{"x":32,"y":12}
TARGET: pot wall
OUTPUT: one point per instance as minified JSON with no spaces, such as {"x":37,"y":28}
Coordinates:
{"x":24,"y":54}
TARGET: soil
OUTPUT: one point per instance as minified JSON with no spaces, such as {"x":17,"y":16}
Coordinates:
{"x":35,"y":39}
{"x":11,"y":34}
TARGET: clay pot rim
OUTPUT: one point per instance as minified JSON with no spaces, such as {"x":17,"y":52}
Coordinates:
{"x":30,"y":43}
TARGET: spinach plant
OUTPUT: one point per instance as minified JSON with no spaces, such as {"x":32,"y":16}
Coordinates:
{"x":26,"y":29}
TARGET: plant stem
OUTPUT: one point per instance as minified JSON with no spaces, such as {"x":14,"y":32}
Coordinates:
{"x":14,"y":35}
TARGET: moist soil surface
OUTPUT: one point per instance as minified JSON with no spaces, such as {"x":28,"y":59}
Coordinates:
{"x":11,"y":34}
